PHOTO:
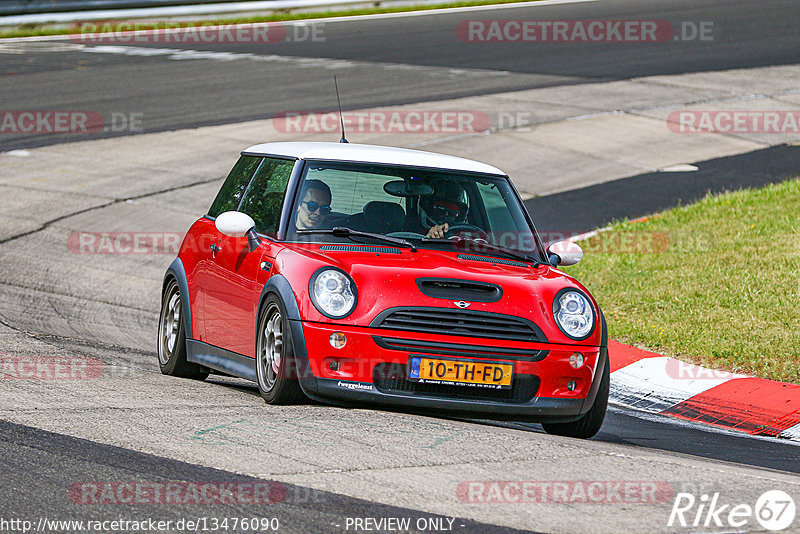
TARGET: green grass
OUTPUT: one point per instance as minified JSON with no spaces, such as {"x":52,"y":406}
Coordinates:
{"x":31,"y":30}
{"x":715,"y":283}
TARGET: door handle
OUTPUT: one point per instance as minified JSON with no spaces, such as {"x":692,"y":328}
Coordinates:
{"x":214,"y":249}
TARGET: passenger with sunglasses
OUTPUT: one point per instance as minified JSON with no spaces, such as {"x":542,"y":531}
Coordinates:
{"x":446,"y":206}
{"x":314,"y":206}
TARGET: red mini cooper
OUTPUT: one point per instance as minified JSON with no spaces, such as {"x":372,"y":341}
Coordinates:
{"x":362,"y":274}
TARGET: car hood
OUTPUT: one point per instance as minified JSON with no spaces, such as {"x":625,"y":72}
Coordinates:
{"x":390,"y":279}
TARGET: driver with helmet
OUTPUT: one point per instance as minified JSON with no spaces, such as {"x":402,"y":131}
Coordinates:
{"x":447,"y":205}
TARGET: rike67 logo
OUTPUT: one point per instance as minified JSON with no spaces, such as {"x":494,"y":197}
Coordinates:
{"x":774,"y":510}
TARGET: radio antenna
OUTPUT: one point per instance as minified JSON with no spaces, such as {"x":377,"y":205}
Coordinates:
{"x":341,"y":120}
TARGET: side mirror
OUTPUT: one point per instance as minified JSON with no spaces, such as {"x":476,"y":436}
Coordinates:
{"x":238,"y":224}
{"x":564,"y":253}
{"x":234,"y":223}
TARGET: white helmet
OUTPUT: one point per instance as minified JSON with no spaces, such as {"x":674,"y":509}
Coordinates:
{"x":448,"y":204}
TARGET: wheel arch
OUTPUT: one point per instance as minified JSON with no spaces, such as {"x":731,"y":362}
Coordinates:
{"x":176,"y":272}
{"x":602,"y":364}
{"x":279,"y":286}
{"x":604,"y":335}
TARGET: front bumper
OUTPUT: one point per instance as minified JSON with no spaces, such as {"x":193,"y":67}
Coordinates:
{"x":541,"y":372}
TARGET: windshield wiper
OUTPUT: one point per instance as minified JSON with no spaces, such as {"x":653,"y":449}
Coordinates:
{"x":485,"y":245}
{"x":343,"y":231}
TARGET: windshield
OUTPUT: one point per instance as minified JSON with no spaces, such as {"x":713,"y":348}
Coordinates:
{"x":430,"y":208}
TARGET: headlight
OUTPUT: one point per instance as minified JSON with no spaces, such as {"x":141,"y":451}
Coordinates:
{"x":333,"y":292}
{"x":573,"y":313}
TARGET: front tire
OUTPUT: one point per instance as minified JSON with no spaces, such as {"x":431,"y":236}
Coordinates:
{"x":275,"y":364}
{"x":172,"y":338}
{"x":588,"y":425}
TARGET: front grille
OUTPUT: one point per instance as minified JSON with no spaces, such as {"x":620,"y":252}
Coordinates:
{"x":459,"y":323}
{"x":392,"y":378}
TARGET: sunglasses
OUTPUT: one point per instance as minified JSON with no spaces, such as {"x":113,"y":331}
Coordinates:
{"x":313,"y":206}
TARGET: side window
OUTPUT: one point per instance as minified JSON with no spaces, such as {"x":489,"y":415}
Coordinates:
{"x":264,"y":199}
{"x":500,"y":218}
{"x":508,"y":227}
{"x":235,"y":185}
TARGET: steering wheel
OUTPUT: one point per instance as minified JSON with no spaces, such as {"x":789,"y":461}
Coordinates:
{"x":453,"y":228}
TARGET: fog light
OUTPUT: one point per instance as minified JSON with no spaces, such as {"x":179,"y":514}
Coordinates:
{"x":334,"y":365}
{"x":576,"y":360}
{"x":571,"y":385}
{"x":338,"y":340}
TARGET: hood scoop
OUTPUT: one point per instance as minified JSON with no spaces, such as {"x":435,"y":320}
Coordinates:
{"x":359,"y":248}
{"x":454,"y":289}
{"x":491,"y":260}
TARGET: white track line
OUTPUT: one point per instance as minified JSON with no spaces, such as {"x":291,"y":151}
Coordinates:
{"x":654,"y":384}
{"x":791,"y":433}
{"x":273,"y":5}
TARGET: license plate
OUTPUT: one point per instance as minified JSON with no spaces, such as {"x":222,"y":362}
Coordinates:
{"x":460,"y":372}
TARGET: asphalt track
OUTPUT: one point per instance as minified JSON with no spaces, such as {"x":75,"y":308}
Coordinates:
{"x":601,"y":204}
{"x":384,"y":61}
{"x":41,"y":464}
{"x":37,"y":465}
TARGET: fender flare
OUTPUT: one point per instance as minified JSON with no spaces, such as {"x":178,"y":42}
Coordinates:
{"x":176,"y":271}
{"x":279,"y":286}
{"x":602,"y":363}
{"x":604,"y":337}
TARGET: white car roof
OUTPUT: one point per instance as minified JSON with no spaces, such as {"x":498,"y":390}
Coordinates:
{"x":372,"y":154}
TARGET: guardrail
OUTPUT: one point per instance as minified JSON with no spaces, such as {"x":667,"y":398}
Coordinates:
{"x":25,"y":7}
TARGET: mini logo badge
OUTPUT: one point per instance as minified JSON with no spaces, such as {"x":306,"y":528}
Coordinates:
{"x":461,"y":304}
